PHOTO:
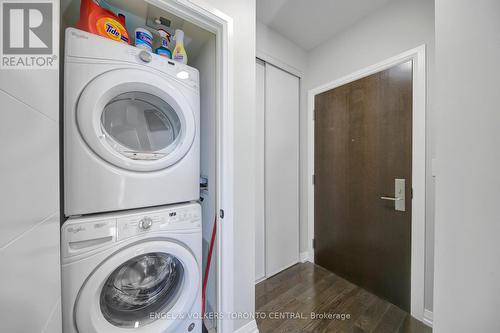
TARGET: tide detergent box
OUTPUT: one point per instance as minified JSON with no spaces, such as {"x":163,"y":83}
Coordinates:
{"x":101,"y":21}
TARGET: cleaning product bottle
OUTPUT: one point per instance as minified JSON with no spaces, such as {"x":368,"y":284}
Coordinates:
{"x":179,"y":53}
{"x":163,"y":50}
{"x":103,"y":22}
{"x":144,"y":39}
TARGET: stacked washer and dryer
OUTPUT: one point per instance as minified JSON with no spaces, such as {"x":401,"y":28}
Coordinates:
{"x":131,"y":248}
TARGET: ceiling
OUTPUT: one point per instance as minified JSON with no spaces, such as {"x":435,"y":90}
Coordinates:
{"x":308,"y":23}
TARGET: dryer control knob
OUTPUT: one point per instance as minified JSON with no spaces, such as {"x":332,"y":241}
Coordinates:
{"x":145,"y":56}
{"x":145,"y":223}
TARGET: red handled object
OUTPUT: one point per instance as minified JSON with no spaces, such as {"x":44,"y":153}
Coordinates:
{"x":207,"y":270}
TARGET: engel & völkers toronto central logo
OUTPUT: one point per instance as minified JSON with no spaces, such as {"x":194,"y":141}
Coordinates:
{"x":28,"y":37}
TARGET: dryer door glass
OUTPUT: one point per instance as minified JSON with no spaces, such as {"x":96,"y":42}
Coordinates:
{"x":142,"y":289}
{"x":140,"y":125}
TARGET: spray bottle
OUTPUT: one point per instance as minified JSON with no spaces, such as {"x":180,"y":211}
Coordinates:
{"x":163,"y":50}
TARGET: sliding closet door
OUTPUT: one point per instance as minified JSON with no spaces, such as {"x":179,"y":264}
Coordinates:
{"x":260,"y":229}
{"x":281,"y":165}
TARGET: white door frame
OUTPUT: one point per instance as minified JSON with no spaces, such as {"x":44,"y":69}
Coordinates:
{"x":213,"y":20}
{"x":418,"y":163}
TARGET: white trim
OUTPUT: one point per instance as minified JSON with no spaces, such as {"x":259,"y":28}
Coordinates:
{"x":428,"y":317}
{"x":251,"y":327}
{"x":304,"y":256}
{"x":215,"y":21}
{"x":418,"y":167}
{"x":278,"y":63}
{"x":282,"y":268}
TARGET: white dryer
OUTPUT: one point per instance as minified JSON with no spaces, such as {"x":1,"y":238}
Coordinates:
{"x":133,"y":272}
{"x":131,"y":127}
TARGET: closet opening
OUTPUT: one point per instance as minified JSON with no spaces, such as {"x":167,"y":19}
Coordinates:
{"x":277,"y":168}
{"x":207,"y":43}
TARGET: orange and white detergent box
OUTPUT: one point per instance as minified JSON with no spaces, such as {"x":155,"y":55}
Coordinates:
{"x":101,"y":21}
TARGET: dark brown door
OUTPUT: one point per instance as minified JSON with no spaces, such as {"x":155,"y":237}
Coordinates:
{"x":363,"y":143}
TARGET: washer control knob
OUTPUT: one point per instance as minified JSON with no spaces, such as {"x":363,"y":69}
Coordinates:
{"x":145,"y":56}
{"x":145,"y":223}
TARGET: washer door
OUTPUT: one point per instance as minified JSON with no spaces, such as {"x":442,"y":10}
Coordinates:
{"x":148,"y":287}
{"x":135,"y":120}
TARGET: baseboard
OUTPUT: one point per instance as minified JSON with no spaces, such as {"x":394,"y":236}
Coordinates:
{"x":260,"y":280}
{"x":428,"y":317}
{"x":304,"y":256}
{"x":251,"y":327}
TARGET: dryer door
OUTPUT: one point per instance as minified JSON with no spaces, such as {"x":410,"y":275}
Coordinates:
{"x":136,"y":120}
{"x":149,"y":287}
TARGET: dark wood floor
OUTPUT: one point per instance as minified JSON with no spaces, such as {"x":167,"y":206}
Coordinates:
{"x":285,"y":302}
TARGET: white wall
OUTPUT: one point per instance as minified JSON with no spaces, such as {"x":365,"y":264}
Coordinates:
{"x":279,"y":51}
{"x":400,"y":26}
{"x":467,"y":270}
{"x":29,"y":201}
{"x":243,"y":14}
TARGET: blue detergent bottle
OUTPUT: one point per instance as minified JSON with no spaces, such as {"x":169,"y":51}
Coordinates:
{"x":163,"y":50}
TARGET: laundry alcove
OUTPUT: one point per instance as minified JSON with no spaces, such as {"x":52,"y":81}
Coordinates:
{"x":204,"y":53}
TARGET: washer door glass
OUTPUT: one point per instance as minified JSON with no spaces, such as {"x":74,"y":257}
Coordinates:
{"x":140,"y":125}
{"x":141,"y":289}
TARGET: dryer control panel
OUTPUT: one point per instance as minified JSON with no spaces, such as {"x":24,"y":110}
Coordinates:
{"x":84,"y":234}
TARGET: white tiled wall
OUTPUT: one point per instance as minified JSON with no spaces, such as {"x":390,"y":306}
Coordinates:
{"x":29,"y":167}
{"x":29,"y":202}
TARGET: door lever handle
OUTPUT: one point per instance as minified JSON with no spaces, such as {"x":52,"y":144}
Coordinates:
{"x":391,"y":198}
{"x":399,"y":197}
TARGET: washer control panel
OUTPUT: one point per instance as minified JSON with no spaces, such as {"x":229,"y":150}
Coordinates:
{"x":84,"y":234}
{"x":181,"y":218}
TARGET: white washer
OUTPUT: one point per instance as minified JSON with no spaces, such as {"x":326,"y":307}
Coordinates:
{"x":133,"y":272}
{"x":131,"y":127}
